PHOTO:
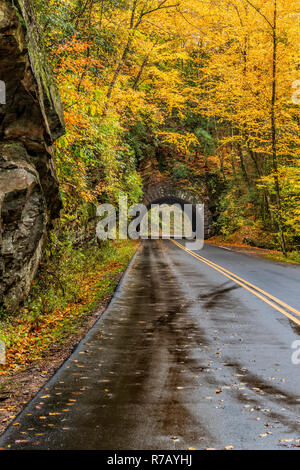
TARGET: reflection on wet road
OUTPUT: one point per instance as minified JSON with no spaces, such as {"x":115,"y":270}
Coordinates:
{"x":182,"y":358}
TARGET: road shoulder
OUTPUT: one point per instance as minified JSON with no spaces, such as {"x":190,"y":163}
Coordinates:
{"x":19,"y":386}
{"x":269,"y":255}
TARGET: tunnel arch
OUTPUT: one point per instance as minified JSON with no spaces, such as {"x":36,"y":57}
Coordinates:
{"x":166,"y":193}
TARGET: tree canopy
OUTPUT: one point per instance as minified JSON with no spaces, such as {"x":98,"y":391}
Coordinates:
{"x":188,"y":89}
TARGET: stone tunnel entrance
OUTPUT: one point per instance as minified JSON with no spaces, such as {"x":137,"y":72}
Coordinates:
{"x":167,"y":194}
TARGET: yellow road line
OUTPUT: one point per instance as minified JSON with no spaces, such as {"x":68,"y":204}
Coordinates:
{"x":247,"y":285}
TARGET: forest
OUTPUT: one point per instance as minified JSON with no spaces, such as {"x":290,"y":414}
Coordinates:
{"x":189,"y":90}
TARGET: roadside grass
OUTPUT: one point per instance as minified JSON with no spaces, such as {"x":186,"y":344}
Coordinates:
{"x":67,"y":289}
{"x":293,"y":257}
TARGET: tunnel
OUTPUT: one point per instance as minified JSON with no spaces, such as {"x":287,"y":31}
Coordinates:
{"x":166,"y":193}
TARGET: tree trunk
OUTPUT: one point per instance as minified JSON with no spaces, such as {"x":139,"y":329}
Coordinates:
{"x":145,"y":62}
{"x":243,"y":168}
{"x":118,"y":70}
{"x":274,"y":134}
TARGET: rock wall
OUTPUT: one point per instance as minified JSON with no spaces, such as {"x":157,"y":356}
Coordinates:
{"x":30,"y":121}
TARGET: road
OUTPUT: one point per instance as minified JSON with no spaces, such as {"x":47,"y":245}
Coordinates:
{"x":184,"y":357}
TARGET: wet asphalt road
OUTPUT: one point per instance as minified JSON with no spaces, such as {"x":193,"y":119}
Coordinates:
{"x":182,"y":358}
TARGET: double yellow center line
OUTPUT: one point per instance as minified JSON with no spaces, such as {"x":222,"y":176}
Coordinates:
{"x":269,"y":299}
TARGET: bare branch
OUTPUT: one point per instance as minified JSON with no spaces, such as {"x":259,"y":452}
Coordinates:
{"x":185,"y":19}
{"x":260,"y":13}
{"x":161,"y":6}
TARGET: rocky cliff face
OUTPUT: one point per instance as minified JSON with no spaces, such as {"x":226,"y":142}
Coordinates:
{"x":30,"y":121}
